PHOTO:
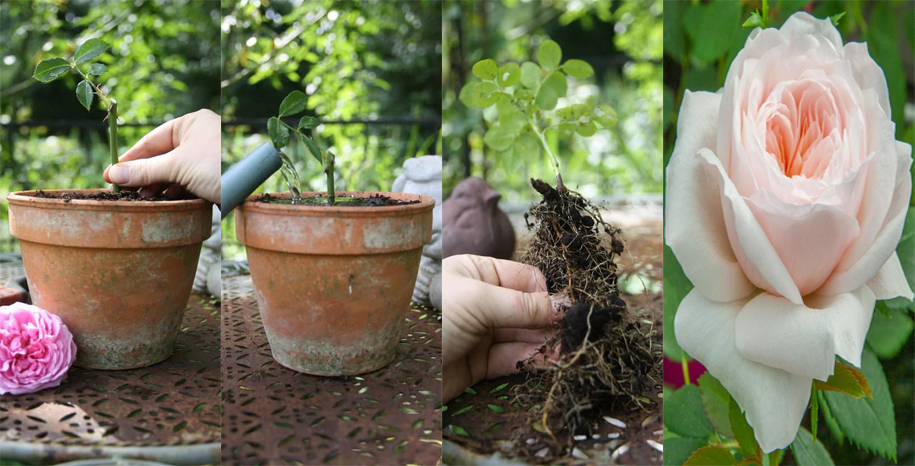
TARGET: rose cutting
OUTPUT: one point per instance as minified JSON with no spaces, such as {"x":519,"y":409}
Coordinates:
{"x":786,"y":197}
{"x":36,"y":349}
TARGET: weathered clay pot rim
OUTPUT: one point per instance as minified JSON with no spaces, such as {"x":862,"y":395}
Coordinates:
{"x":27,"y":198}
{"x":425,"y":204}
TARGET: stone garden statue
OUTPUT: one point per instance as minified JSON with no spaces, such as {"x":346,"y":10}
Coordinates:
{"x":423,"y":175}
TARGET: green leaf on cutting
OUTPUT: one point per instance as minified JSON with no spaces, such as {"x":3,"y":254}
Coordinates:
{"x":578,"y":69}
{"x":549,"y":55}
{"x":486,"y":70}
{"x":552,"y":88}
{"x":509,"y":74}
{"x":499,"y":138}
{"x":96,"y":69}
{"x":293,"y":103}
{"x":278,"y":133}
{"x":308,"y":122}
{"x":84,"y":94}
{"x":89,"y":50}
{"x":50,"y":69}
{"x":678,"y":449}
{"x":313,"y":148}
{"x":530,"y":75}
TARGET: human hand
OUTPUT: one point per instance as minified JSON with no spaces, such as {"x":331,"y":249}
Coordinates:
{"x":183,"y":153}
{"x":495,"y":313}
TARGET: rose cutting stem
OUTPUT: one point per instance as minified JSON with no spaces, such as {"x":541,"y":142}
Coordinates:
{"x":113,"y":137}
{"x":549,"y":152}
{"x":814,"y":410}
{"x":685,"y":365}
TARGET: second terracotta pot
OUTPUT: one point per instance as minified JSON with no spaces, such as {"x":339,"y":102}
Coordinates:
{"x":333,"y":284}
{"x":118,"y":273}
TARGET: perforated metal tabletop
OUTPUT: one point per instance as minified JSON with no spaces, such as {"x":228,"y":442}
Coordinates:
{"x":169,"y":411}
{"x":273,"y":415}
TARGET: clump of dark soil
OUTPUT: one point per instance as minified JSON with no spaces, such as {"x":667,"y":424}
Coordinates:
{"x":604,"y":350}
{"x":375,"y":200}
{"x":123,"y":196}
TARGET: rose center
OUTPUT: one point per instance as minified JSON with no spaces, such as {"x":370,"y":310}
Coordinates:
{"x":802,"y":128}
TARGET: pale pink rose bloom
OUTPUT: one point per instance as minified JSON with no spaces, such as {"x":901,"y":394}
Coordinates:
{"x":786,"y":198}
{"x":36,"y":349}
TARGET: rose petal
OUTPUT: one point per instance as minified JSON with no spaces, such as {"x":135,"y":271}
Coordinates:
{"x":868,"y":73}
{"x":804,"y":23}
{"x":694,"y":223}
{"x":809,"y":238}
{"x":749,"y":242}
{"x":890,"y":281}
{"x":804,"y":339}
{"x":881,"y":227}
{"x":774,"y":400}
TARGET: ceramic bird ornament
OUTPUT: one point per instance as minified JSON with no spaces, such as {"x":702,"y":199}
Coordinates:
{"x":476,"y":225}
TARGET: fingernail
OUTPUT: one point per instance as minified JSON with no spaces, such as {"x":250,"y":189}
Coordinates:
{"x":119,"y":174}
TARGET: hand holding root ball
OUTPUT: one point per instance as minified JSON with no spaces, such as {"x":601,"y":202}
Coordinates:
{"x":180,"y":154}
{"x":496,"y":313}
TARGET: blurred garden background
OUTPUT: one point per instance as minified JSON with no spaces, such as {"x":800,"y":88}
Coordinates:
{"x":700,"y":41}
{"x":622,"y":42}
{"x":163,"y":62}
{"x":371,"y":70}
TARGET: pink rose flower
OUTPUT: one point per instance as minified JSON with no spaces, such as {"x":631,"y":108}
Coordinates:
{"x":786,"y":198}
{"x":36,"y":349}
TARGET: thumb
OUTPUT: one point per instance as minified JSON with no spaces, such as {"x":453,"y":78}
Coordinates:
{"x":139,"y":173}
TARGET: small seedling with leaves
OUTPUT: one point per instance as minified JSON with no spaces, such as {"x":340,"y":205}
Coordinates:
{"x":525,"y":98}
{"x":279,"y":132}
{"x":50,"y":69}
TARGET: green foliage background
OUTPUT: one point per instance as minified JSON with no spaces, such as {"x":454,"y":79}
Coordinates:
{"x":163,"y":63}
{"x":700,"y":41}
{"x":621,"y":40}
{"x":356,"y":60}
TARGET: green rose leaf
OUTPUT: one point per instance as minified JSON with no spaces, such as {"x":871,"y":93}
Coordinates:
{"x":578,"y":69}
{"x":509,"y":74}
{"x":755,"y":20}
{"x":809,"y":451}
{"x":712,"y":454}
{"x":308,"y":122}
{"x":486,"y":70}
{"x":890,"y":330}
{"x":499,"y":138}
{"x":835,"y":18}
{"x":50,"y":69}
{"x":684,"y":415}
{"x":531,"y":75}
{"x":716,"y":401}
{"x":89,"y":50}
{"x":676,"y":287}
{"x":549,"y":55}
{"x":279,"y":134}
{"x":906,"y":253}
{"x":743,"y":432}
{"x":550,"y":91}
{"x":97,"y":69}
{"x":485,"y":94}
{"x":313,"y":148}
{"x":293,"y":103}
{"x":678,"y":449}
{"x":868,"y":423}
{"x":84,"y":94}
{"x":846,"y":379}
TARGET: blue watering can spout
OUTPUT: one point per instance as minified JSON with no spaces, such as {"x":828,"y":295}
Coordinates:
{"x":241,"y":179}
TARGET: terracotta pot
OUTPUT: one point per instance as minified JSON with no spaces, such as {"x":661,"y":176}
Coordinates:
{"x":118,"y":274}
{"x":333,"y":284}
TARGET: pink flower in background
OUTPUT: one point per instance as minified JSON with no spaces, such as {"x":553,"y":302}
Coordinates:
{"x":786,"y":198}
{"x":36,"y":349}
